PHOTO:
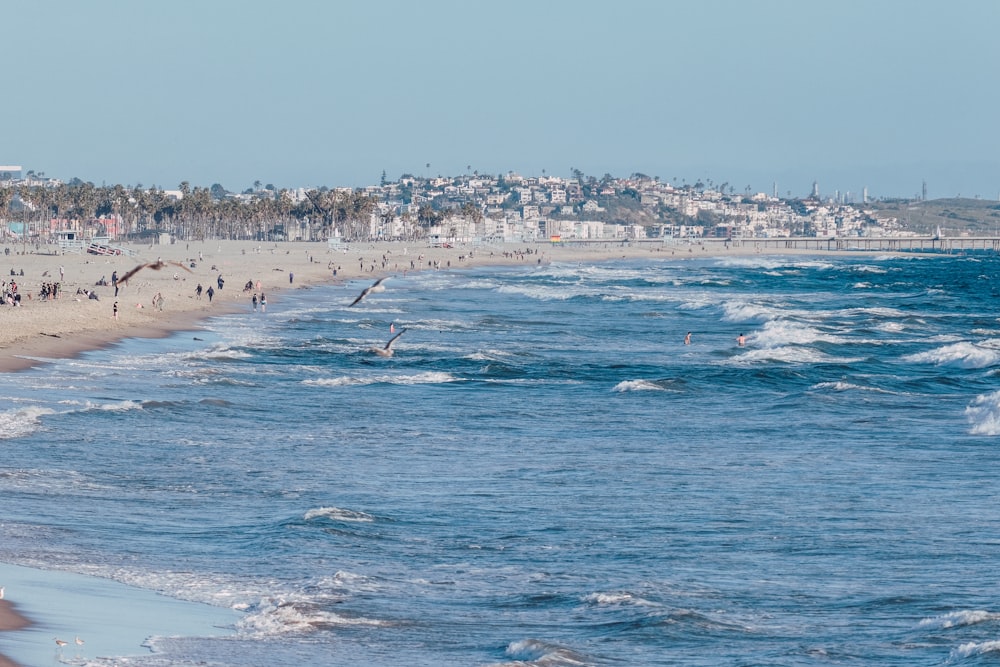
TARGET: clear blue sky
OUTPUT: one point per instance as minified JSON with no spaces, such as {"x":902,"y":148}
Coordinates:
{"x":851,"y":93}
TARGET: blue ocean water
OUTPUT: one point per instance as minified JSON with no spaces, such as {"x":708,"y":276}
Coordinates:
{"x":544,"y":473}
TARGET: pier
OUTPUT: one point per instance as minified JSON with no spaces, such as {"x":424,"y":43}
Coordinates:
{"x":928,"y":244}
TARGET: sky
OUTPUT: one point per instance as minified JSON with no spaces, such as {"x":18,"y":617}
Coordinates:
{"x":768,"y":94}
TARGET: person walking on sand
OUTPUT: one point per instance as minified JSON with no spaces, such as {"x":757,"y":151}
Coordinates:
{"x":114,"y":309}
{"x":197,"y":290}
{"x":210,"y":292}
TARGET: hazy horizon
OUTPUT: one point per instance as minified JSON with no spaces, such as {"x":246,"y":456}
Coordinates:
{"x":766,"y":94}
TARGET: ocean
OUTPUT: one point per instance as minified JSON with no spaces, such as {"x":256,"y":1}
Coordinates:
{"x":543,"y":473}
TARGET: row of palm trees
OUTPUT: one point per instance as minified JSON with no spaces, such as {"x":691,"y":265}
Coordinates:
{"x":267,"y":214}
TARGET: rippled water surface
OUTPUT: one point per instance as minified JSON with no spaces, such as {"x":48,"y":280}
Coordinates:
{"x":543,"y":473}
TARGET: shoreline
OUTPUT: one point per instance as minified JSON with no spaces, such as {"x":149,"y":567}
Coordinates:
{"x":110,"y":618}
{"x":41,"y":330}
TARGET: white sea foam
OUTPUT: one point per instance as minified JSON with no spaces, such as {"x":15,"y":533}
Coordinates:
{"x":22,"y":421}
{"x":275,"y":617}
{"x":984,"y":414}
{"x":748,"y":311}
{"x":617,"y":599}
{"x":430,"y":377}
{"x":770,"y":262}
{"x":963,"y":355}
{"x":976,"y":648}
{"x":848,"y":386}
{"x":535,"y":652}
{"x":637,"y":385}
{"x":785,"y":332}
{"x":338,"y":514}
{"x":489,"y":355}
{"x":793,"y":354}
{"x":957,"y":619}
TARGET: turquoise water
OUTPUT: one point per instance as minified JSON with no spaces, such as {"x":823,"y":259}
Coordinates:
{"x":543,"y":473}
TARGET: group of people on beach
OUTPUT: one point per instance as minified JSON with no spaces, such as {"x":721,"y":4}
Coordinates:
{"x":9,"y":293}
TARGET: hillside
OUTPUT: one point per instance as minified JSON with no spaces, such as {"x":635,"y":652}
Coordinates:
{"x":977,"y":217}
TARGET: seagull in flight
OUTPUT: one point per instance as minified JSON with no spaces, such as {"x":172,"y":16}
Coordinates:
{"x":387,"y":350}
{"x":156,"y":266}
{"x":375,"y":287}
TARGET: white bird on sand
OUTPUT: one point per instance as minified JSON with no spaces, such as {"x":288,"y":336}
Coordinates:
{"x":377,"y":286}
{"x":387,"y":350}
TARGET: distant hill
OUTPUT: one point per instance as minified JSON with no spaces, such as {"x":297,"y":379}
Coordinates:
{"x":977,"y":217}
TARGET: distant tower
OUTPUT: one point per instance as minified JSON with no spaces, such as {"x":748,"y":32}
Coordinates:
{"x":775,"y":189}
{"x":923,"y":196}
{"x":864,"y":195}
{"x":815,"y":193}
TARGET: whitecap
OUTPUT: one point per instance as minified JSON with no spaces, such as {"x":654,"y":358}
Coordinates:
{"x":976,"y":648}
{"x":430,"y":377}
{"x":270,"y":618}
{"x":637,"y":385}
{"x":957,"y":619}
{"x":785,"y":332}
{"x":848,"y":386}
{"x":790,"y":354}
{"x":537,"y":652}
{"x":963,"y":355}
{"x":338,"y":514}
{"x":984,"y":414}
{"x":22,"y":421}
{"x":747,"y":311}
{"x":617,"y":599}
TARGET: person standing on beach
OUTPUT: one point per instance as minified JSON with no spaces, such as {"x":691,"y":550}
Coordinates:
{"x":263,"y":303}
{"x":197,"y":290}
{"x":114,"y":309}
{"x":210,"y":293}
{"x":291,"y":277}
{"x":255,"y":303}
{"x":220,"y":282}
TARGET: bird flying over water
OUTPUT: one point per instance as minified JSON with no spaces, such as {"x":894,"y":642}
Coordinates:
{"x":375,"y":287}
{"x":387,"y":350}
{"x":156,"y":266}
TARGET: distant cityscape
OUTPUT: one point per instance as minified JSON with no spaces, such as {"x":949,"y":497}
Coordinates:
{"x":461,"y":209}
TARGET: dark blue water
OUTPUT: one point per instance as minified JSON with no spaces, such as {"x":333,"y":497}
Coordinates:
{"x":543,"y":473}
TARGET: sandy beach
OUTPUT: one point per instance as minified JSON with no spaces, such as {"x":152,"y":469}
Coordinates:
{"x":41,"y":329}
